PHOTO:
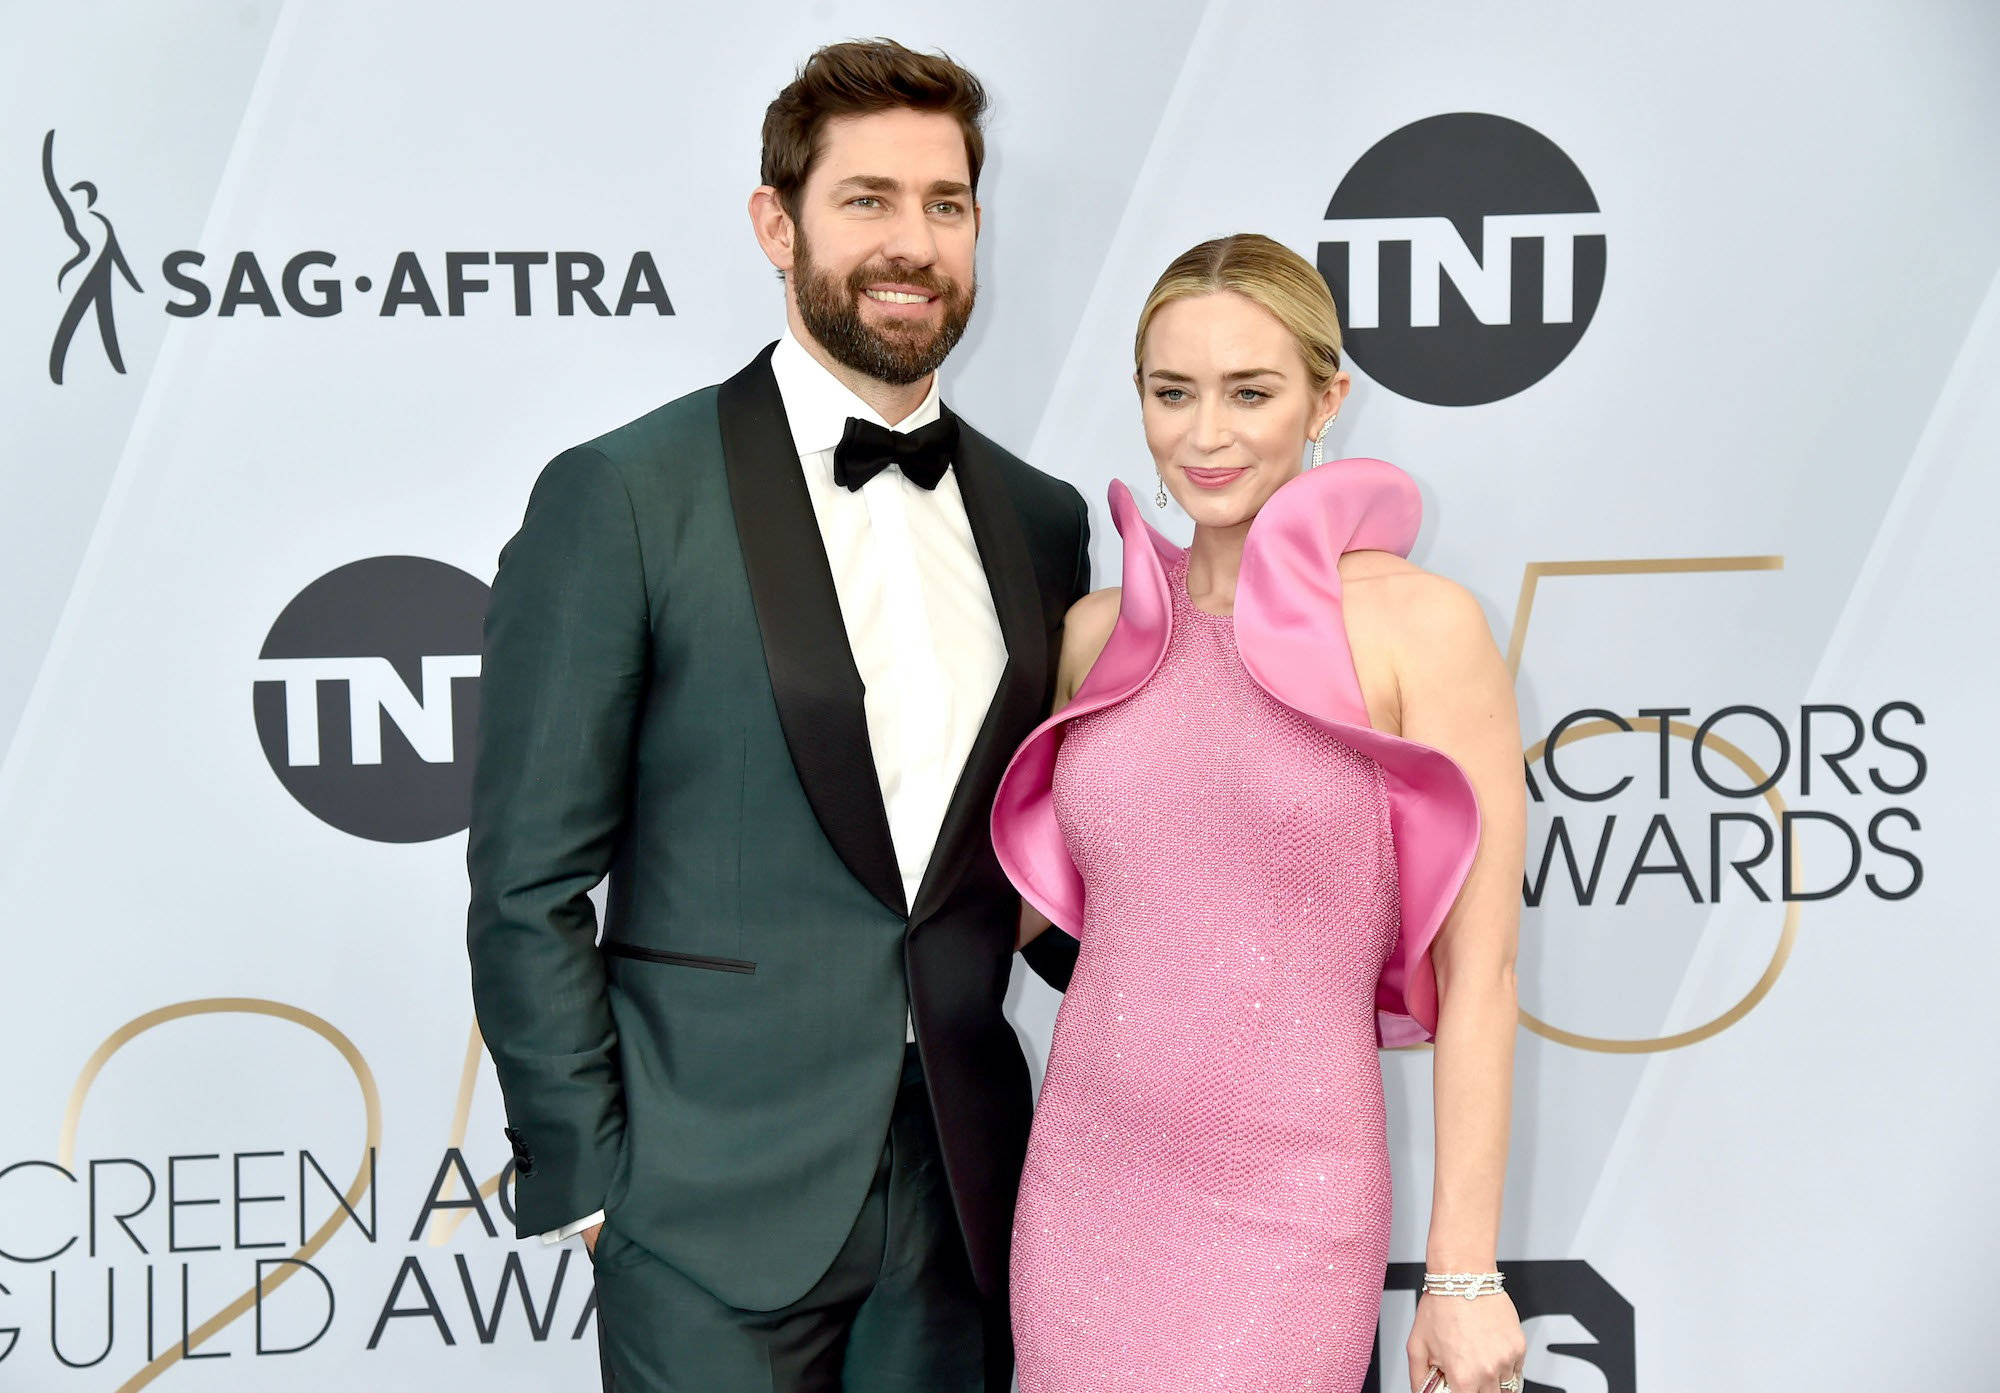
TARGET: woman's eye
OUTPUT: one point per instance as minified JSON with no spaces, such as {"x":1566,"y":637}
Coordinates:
{"x":1172,"y":396}
{"x":1251,"y":394}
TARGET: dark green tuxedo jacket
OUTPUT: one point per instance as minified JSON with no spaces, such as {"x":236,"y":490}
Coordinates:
{"x":668,"y":698}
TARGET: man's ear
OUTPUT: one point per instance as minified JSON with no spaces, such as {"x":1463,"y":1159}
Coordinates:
{"x":776,"y":233}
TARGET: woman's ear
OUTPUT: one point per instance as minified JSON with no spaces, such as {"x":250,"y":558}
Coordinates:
{"x":1330,"y":399}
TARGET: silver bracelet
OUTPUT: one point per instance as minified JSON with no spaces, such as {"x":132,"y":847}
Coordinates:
{"x":1465,"y":1284}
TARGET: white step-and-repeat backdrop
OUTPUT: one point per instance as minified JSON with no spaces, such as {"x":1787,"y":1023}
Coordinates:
{"x":1686,"y":320}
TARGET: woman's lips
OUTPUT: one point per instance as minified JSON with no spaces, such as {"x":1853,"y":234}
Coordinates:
{"x":1213,"y":478}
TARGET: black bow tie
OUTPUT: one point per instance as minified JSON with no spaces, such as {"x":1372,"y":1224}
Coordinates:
{"x":866,"y":449}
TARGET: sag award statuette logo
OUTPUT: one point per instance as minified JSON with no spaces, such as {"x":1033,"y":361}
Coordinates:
{"x":1466,"y":254}
{"x":99,"y":246}
{"x":367,"y":697}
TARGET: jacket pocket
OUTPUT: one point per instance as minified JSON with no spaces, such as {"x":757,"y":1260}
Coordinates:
{"x":660,"y":955}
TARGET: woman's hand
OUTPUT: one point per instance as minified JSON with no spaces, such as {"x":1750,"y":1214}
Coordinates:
{"x":1478,"y":1343}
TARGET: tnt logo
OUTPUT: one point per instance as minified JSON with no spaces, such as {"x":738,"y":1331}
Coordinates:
{"x":1467,"y":257}
{"x":1580,"y":1330}
{"x":367,"y":697}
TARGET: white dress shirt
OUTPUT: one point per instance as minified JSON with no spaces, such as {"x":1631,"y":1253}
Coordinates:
{"x":919,"y":616}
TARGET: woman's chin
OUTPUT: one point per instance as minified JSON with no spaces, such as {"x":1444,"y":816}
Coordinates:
{"x":1220,"y":513}
{"x":1226,"y":507}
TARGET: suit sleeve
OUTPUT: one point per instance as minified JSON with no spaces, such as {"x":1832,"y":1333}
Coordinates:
{"x":564,"y":668}
{"x":1080,"y":586}
{"x":1052,"y":954}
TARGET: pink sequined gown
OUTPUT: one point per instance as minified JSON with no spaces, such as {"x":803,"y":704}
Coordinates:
{"x":1206,"y":1201}
{"x":1256,"y":877}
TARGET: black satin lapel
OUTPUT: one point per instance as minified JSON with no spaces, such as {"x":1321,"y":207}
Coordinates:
{"x":818,"y":690}
{"x":1017,"y":703}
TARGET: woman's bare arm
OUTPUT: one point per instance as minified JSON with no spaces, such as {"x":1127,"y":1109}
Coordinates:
{"x":1086,"y":629}
{"x":1456,"y":696}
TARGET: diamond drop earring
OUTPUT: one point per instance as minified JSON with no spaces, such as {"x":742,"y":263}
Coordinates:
{"x":1319,"y":442}
{"x":1160,"y":497}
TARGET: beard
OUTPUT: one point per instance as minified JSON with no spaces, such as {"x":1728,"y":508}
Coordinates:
{"x":896,"y":353}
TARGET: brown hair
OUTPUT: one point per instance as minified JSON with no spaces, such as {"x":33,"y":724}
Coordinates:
{"x":1267,"y":272}
{"x":858,"y":78}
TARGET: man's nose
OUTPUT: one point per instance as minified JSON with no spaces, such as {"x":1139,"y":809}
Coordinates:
{"x":910,"y":238}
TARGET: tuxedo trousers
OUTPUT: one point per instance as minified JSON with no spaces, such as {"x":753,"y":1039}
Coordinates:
{"x":897,"y":1312}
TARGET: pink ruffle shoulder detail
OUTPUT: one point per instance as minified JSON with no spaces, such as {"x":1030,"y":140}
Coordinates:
{"x":1291,"y":634}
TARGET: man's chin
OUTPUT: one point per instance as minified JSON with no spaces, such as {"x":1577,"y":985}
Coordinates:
{"x":897,"y":319}
{"x":903,"y":325}
{"x":914,"y":342}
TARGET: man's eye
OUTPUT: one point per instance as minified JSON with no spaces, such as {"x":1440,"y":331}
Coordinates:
{"x":949,"y":210}
{"x":866,"y":200}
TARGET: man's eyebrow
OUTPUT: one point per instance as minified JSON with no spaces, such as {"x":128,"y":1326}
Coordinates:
{"x":882,"y":183}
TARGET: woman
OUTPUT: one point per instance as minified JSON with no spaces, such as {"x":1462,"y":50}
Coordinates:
{"x":1259,"y":806}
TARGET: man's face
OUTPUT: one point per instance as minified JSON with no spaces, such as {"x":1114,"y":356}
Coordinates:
{"x":882,"y":263}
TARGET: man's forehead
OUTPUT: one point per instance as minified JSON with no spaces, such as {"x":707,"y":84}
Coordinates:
{"x":917,"y":148}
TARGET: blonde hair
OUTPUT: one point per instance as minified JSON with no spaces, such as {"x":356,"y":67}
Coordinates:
{"x":1269,"y":274}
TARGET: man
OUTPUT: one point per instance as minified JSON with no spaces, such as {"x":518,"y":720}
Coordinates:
{"x":760,"y":656}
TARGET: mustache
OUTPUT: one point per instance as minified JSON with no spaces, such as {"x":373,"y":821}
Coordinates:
{"x":922,"y":278}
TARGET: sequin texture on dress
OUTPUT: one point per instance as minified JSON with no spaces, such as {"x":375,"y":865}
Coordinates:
{"x":1206,"y":1200}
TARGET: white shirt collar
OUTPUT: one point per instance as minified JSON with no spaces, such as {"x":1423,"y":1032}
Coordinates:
{"x":817,"y":404}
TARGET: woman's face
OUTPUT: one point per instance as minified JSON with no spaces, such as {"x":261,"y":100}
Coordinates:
{"x":1228,"y":405}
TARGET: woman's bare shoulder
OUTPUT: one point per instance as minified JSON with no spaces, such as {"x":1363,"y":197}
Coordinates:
{"x":1096,"y":612}
{"x":1385,"y":588}
{"x":1086,"y":629}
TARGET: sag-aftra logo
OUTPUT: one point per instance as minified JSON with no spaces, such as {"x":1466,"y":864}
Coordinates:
{"x":96,"y":281}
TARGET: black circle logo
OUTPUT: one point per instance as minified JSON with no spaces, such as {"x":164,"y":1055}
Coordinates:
{"x":1464,"y":255}
{"x":367,"y":697}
